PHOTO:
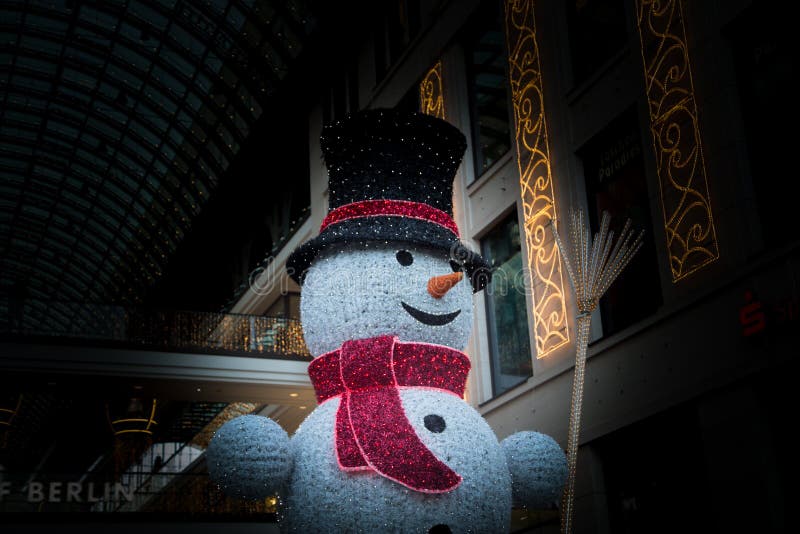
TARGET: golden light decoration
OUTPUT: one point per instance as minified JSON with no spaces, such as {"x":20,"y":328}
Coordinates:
{"x":536,"y":183}
{"x":278,"y":336}
{"x":592,"y":266}
{"x":7,"y":415}
{"x":688,"y":220}
{"x":133,"y":431}
{"x":135,"y":421}
{"x":431,"y":93}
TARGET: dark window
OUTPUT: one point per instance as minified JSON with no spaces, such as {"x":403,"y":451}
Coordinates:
{"x":597,"y":31}
{"x":342,"y":98}
{"x":487,"y":79}
{"x":509,"y":342}
{"x":410,"y":101}
{"x":339,"y":94}
{"x":705,"y":450}
{"x":764,"y":54}
{"x":399,"y":24}
{"x":653,"y":468}
{"x":613,"y":167}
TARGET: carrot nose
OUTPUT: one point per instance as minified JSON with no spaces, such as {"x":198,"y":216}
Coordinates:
{"x":439,"y":285}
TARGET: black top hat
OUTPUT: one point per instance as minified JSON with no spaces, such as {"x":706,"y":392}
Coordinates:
{"x":391,"y":179}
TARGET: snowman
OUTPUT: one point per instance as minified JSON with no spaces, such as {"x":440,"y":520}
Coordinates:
{"x":386,"y":309}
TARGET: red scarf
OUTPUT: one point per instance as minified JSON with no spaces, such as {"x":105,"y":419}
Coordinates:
{"x":372,"y":430}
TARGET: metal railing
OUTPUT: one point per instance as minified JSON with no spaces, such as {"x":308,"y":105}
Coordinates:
{"x":172,"y":331}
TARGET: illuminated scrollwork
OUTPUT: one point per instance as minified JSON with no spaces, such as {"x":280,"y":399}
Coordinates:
{"x":536,"y":184}
{"x":431,"y":96}
{"x":688,"y":221}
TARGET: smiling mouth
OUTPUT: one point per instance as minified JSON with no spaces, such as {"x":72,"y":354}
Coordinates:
{"x":430,"y":318}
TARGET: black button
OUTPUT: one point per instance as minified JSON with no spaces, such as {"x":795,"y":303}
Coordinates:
{"x":435,"y":423}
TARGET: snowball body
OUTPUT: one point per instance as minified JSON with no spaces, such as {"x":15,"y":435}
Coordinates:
{"x":323,"y":498}
{"x":363,"y":291}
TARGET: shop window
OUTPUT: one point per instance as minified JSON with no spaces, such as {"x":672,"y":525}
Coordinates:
{"x":506,"y":312}
{"x":487,"y":80}
{"x":597,"y":31}
{"x":613,"y":166}
{"x":765,"y":61}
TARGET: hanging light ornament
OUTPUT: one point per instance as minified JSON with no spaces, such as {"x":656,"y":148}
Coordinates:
{"x":9,"y":407}
{"x":133,"y":430}
{"x":592,"y":266}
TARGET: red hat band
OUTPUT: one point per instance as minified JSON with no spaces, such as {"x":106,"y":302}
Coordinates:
{"x":390,"y":208}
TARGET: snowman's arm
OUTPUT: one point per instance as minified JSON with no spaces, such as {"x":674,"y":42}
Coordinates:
{"x":538,"y":469}
{"x":249,"y":457}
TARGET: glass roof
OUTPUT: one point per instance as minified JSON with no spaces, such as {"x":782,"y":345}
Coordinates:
{"x":117,"y":120}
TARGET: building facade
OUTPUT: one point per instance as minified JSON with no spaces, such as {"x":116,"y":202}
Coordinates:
{"x":658,"y":112}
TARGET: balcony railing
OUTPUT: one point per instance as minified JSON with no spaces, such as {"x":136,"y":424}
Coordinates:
{"x":172,"y":331}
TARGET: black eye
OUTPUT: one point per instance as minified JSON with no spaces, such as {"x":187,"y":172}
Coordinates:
{"x":404,"y":258}
{"x":434,"y":423}
{"x":455,"y":266}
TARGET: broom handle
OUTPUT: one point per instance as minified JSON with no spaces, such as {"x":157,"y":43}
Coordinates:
{"x":568,"y":501}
